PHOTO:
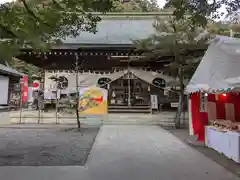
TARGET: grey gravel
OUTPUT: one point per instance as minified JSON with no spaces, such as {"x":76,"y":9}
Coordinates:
{"x":45,"y":147}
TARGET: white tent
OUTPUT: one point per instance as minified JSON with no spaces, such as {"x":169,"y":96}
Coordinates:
{"x":219,"y":68}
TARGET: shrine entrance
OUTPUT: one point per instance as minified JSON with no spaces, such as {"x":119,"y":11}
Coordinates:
{"x":129,"y":91}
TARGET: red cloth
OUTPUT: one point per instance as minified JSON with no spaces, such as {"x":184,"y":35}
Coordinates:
{"x":211,"y":98}
{"x":237,"y":107}
{"x":220,"y":101}
{"x":220,"y":108}
{"x":199,"y":119}
{"x":202,"y":124}
{"x":195,"y":108}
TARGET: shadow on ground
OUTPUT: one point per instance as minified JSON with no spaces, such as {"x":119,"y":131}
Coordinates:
{"x":222,"y":160}
{"x":45,"y":146}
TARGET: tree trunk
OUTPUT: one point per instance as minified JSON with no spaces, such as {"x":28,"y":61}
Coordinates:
{"x":180,"y":102}
{"x":77,"y":113}
{"x":77,"y":92}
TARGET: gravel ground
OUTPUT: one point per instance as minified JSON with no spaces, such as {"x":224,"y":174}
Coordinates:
{"x":222,"y":160}
{"x":45,"y":146}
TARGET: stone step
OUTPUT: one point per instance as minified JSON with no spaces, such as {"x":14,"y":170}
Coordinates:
{"x":129,"y":111}
{"x":126,"y":107}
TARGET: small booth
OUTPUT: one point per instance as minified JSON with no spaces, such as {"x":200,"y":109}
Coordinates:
{"x":214,"y":98}
{"x":10,"y":86}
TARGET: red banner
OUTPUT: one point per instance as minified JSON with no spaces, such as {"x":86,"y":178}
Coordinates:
{"x":25,"y":89}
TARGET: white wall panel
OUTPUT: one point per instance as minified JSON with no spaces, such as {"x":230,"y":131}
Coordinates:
{"x":4,"y":83}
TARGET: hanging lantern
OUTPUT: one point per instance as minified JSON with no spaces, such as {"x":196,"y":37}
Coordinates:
{"x":36,"y":85}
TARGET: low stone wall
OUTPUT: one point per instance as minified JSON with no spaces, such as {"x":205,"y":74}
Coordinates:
{"x":165,"y":119}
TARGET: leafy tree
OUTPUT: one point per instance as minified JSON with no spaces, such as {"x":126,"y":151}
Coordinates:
{"x":200,"y":11}
{"x":224,"y":29}
{"x":219,"y":28}
{"x":182,"y":41}
{"x":204,"y":13}
{"x":23,"y":67}
{"x":38,"y":24}
{"x":196,"y":13}
{"x":233,"y":18}
{"x":135,"y":6}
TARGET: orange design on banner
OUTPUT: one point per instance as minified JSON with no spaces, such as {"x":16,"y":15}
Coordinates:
{"x":93,"y":101}
{"x":216,"y":97}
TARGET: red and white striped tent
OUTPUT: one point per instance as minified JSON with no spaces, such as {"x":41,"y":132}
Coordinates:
{"x":215,"y":85}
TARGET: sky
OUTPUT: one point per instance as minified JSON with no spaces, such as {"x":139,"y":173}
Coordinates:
{"x":161,"y":3}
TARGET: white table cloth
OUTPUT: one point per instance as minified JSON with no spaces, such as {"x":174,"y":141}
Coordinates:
{"x":226,"y":142}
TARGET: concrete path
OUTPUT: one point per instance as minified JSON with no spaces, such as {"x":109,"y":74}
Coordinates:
{"x":148,"y":152}
{"x":131,"y":153}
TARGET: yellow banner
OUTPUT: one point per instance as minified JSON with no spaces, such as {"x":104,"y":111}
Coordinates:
{"x":93,"y":101}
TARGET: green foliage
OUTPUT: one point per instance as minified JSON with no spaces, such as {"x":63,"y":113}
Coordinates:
{"x":220,"y":28}
{"x":23,"y":67}
{"x":38,"y":24}
{"x":176,"y":38}
{"x":135,"y":6}
{"x":200,"y":11}
{"x":181,"y":39}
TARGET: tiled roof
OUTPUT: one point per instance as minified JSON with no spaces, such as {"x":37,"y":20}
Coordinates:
{"x":117,"y":30}
{"x":9,"y":71}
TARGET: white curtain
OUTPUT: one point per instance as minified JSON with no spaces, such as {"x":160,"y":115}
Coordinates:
{"x":149,"y":76}
{"x":84,"y":79}
{"x":87,"y":79}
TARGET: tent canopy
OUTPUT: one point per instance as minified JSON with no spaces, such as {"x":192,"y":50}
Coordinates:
{"x":220,"y":67}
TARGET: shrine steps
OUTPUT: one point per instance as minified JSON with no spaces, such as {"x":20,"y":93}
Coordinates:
{"x":132,"y":109}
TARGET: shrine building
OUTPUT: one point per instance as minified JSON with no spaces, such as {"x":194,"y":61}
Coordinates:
{"x":109,"y":59}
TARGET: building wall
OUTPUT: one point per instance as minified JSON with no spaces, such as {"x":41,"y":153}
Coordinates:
{"x":4,"y":87}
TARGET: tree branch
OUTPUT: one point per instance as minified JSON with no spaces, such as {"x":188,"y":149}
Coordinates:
{"x":8,"y":31}
{"x":33,"y":14}
{"x":57,"y":4}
